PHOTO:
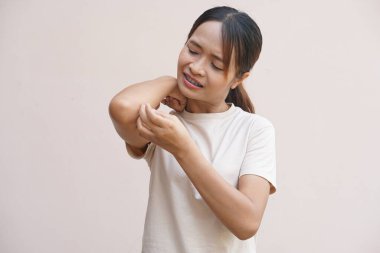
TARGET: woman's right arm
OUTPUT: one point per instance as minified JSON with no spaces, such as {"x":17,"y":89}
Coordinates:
{"x":124,"y":108}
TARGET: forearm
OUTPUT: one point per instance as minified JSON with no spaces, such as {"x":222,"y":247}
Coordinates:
{"x":233,"y":208}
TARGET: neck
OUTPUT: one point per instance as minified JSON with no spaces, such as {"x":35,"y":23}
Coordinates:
{"x":205,"y":108}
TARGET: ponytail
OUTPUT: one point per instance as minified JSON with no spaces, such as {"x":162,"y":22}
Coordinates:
{"x":240,"y":98}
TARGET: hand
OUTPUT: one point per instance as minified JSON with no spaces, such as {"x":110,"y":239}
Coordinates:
{"x":163,"y":129}
{"x":175,"y":100}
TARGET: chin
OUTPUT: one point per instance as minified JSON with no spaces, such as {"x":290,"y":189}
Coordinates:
{"x":183,"y":89}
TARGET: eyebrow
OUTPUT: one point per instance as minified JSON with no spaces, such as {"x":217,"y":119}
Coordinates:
{"x":197,"y":45}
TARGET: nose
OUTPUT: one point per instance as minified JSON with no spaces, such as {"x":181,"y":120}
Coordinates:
{"x":196,"y":68}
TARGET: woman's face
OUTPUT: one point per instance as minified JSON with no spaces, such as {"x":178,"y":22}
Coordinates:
{"x":200,"y":73}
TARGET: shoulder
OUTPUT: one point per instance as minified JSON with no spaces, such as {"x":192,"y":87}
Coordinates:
{"x":256,"y":121}
{"x":255,"y":127}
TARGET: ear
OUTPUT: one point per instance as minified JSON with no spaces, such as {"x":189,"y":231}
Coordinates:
{"x":239,"y":80}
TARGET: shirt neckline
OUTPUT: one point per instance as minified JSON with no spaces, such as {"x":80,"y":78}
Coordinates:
{"x":214,"y":115}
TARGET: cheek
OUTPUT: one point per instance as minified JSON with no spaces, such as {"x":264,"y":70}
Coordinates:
{"x":184,"y":58}
{"x":181,"y":57}
{"x":220,"y":85}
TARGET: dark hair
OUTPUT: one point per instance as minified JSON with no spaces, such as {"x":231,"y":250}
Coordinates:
{"x":240,"y":35}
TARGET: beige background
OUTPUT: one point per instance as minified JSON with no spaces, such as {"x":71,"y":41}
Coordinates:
{"x":66,"y":183}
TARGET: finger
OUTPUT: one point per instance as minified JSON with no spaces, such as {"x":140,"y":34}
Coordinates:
{"x":142,"y":125}
{"x":176,"y":101}
{"x":177,"y":104}
{"x":144,"y":117}
{"x":156,"y":117}
{"x":167,"y":100}
{"x":171,"y":103}
{"x":145,"y":125}
{"x":164,"y":114}
{"x":143,"y":130}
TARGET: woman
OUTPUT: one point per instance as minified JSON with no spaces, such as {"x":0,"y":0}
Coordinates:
{"x":212,"y":160}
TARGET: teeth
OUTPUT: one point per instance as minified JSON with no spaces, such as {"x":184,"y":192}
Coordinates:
{"x":193,"y":82}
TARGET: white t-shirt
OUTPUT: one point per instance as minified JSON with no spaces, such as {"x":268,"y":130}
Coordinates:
{"x":178,"y":220}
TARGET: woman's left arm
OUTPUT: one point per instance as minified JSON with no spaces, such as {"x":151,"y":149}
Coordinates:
{"x":240,"y":210}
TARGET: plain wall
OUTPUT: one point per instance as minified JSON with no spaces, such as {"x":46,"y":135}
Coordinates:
{"x":66,"y":182}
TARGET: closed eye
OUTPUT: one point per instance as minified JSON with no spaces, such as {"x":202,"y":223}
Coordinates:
{"x":191,"y":51}
{"x":216,"y":67}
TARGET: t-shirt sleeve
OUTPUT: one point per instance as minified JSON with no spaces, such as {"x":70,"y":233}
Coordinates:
{"x":260,"y":158}
{"x":147,"y":155}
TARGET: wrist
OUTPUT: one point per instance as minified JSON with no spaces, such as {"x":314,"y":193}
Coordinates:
{"x":186,"y":151}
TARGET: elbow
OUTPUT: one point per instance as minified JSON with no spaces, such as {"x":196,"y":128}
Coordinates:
{"x":248,"y":232}
{"x":118,"y":109}
{"x":246,"y":235}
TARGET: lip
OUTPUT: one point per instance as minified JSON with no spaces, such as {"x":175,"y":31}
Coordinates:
{"x":188,"y":84}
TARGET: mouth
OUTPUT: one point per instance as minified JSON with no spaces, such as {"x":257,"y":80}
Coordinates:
{"x":191,"y":81}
